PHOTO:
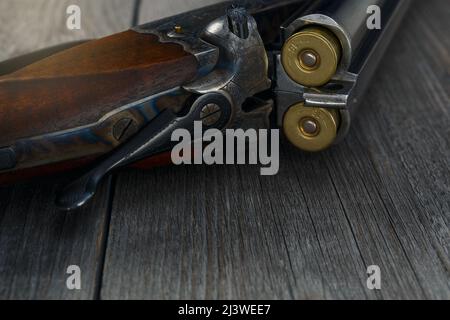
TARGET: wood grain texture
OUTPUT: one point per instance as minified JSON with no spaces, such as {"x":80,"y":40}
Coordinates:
{"x":37,"y":242}
{"x":382,"y":197}
{"x":123,"y":68}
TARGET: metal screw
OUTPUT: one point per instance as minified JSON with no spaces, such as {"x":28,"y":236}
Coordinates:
{"x":178,"y":29}
{"x":124,"y":128}
{"x":309,"y":59}
{"x":210,"y":114}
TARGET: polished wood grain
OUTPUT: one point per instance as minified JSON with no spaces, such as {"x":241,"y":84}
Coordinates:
{"x":80,"y":85}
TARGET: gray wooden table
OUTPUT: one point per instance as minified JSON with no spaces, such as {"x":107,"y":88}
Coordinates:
{"x":381,"y":198}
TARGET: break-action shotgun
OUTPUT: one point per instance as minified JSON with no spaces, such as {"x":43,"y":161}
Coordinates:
{"x":114,"y":102}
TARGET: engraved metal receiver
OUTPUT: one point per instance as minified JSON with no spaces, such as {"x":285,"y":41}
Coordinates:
{"x":300,"y":65}
{"x":233,"y":44}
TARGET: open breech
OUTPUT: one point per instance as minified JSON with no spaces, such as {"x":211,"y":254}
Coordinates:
{"x":299,"y":65}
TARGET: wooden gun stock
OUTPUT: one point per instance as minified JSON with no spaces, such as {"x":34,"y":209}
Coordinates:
{"x":79,"y":86}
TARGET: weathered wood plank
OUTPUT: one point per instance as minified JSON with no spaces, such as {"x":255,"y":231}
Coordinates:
{"x":38,"y":243}
{"x":29,"y":25}
{"x":151,"y":10}
{"x":404,"y":132}
{"x":380,"y":198}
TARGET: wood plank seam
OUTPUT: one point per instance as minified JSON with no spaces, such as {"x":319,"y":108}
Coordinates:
{"x":309,"y":212}
{"x":112,"y":183}
{"x":392,"y":223}
{"x":136,"y":12}
{"x":387,"y":211}
{"x":352,"y":230}
{"x":291,"y":292}
{"x":290,"y":157}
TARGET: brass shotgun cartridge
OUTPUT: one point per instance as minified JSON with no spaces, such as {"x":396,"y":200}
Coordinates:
{"x":311,"y":56}
{"x":311,"y":129}
{"x":328,"y":55}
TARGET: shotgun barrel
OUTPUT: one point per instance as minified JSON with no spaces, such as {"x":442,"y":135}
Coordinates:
{"x":331,"y":51}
